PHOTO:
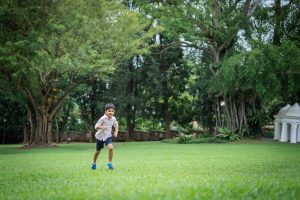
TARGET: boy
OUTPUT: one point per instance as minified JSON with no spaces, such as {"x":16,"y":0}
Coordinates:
{"x":103,"y":134}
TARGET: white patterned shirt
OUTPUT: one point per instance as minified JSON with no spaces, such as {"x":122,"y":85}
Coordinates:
{"x":103,"y":134}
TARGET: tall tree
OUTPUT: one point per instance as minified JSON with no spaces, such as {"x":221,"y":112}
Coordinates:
{"x":212,"y":28}
{"x":164,"y":77}
{"x":47,"y":58}
{"x":91,"y":98}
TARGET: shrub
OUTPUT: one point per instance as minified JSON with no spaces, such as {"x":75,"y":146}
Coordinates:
{"x":183,"y":138}
{"x":189,"y":139}
{"x":228,"y":134}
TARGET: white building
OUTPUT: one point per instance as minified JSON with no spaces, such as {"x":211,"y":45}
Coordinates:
{"x":287,"y":124}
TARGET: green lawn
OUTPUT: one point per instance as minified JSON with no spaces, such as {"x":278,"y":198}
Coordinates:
{"x":153,"y":170}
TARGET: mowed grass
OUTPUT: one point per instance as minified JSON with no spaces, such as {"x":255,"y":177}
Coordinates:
{"x":153,"y":170}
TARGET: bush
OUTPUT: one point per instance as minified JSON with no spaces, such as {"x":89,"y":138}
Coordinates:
{"x":228,"y":134}
{"x":182,"y":138}
{"x":189,"y":139}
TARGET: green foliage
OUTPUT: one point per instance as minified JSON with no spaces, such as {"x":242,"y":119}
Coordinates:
{"x":264,"y":78}
{"x":249,"y":71}
{"x":46,"y":44}
{"x":91,"y":98}
{"x":183,"y":138}
{"x":12,"y":118}
{"x":191,"y":139}
{"x":50,"y":48}
{"x":164,"y":76}
{"x":147,"y":125}
{"x":228,"y":134}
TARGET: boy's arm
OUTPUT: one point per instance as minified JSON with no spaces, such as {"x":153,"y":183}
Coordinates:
{"x":116,"y":132}
{"x":98,"y":124}
{"x":116,"y":125}
{"x":100,"y":127}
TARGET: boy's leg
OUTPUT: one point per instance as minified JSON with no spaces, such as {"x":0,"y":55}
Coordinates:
{"x":99,"y":146}
{"x":110,"y":152}
{"x":96,"y":154}
{"x":109,"y":146}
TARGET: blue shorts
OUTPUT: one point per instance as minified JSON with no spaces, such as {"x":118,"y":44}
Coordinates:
{"x":100,"y":144}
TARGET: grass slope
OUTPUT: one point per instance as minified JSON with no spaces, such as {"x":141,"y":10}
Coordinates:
{"x":153,"y":170}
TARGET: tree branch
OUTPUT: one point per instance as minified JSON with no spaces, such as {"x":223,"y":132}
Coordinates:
{"x":31,"y":99}
{"x":61,"y":99}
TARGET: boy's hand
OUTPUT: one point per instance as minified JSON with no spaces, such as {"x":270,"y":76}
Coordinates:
{"x":115,"y":134}
{"x":101,"y":127}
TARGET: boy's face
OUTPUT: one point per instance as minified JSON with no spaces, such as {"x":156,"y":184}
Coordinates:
{"x":110,"y":112}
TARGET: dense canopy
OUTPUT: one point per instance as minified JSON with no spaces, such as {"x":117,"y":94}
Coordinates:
{"x":226,"y":64}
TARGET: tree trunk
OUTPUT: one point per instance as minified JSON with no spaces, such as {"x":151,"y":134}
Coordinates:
{"x":129,"y":121}
{"x":26,"y":132}
{"x":130,"y":109}
{"x":28,"y":126}
{"x":167,"y":115}
{"x":278,"y":23}
{"x":57,"y":131}
{"x":61,"y":124}
{"x":163,"y":68}
{"x":49,"y":131}
{"x":217,"y":49}
{"x":45,"y":108}
{"x":235,"y":113}
{"x":90,"y":132}
{"x":43,"y":134}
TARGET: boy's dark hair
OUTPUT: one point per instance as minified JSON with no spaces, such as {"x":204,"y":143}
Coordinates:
{"x":109,"y":106}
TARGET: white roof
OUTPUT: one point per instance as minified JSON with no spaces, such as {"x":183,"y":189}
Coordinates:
{"x":293,"y":111}
{"x":284,"y":109}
